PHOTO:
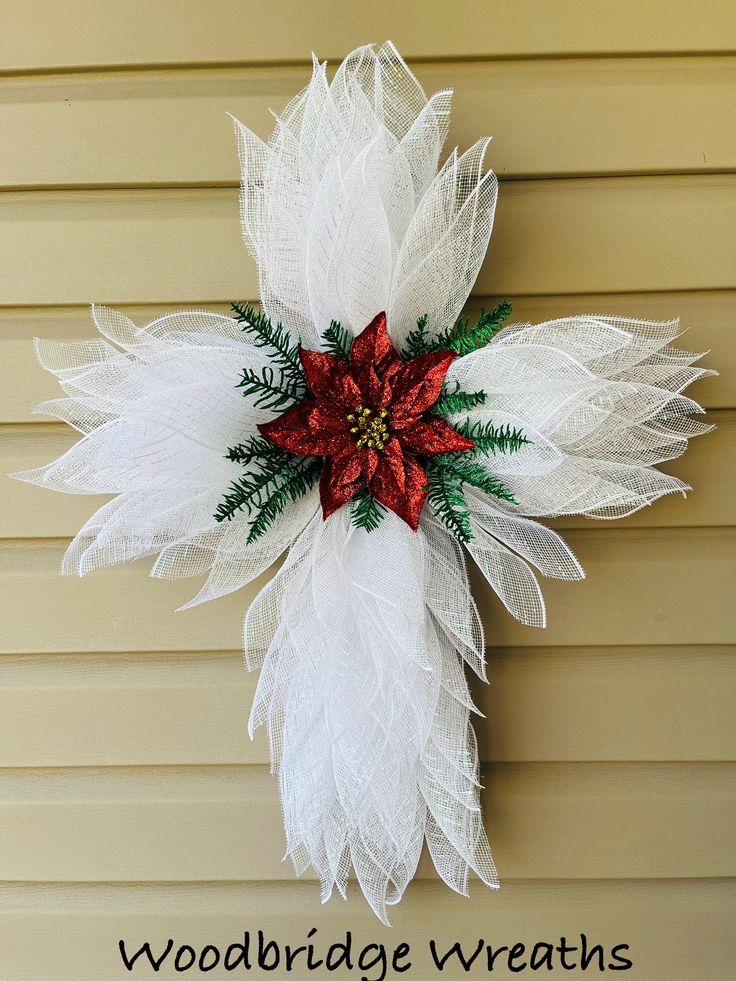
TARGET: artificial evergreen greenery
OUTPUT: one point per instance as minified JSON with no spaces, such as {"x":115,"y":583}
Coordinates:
{"x":269,"y":390}
{"x":337,"y":341}
{"x":447,"y":498}
{"x":251,"y":450}
{"x":493,"y":439}
{"x":467,"y":470}
{"x":272,"y":389}
{"x":460,"y":337}
{"x":464,"y":339}
{"x":277,"y":338}
{"x":417,"y":342}
{"x":447,"y":476}
{"x":367,"y":512}
{"x":456,"y":400}
{"x":278,"y":478}
{"x":248,"y":491}
{"x":296,"y":481}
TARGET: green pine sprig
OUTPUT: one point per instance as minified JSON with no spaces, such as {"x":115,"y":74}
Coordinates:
{"x":465,"y":339}
{"x":367,"y":512}
{"x":269,"y":390}
{"x":247,"y":492}
{"x":448,"y":475}
{"x":469,"y":471}
{"x":493,"y":439}
{"x":277,"y":479}
{"x":338,"y":341}
{"x":417,"y":342}
{"x":297,"y":481}
{"x":284,"y":349}
{"x":252,"y":449}
{"x":272,"y":387}
{"x":461,"y":337}
{"x":456,"y":400}
{"x":445,"y":495}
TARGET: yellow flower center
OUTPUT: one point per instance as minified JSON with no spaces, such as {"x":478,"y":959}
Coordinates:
{"x":369,"y":428}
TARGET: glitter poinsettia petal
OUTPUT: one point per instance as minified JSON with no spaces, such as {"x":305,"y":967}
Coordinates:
{"x":374,"y":362}
{"x":307,"y":429}
{"x":418,"y":383}
{"x":365,"y":418}
{"x":432,"y":436}
{"x":400,"y":484}
{"x":331,"y":382}
{"x":342,"y":477}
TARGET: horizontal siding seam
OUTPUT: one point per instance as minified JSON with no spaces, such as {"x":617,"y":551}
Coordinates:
{"x":93,"y":191}
{"x":59,"y":768}
{"x":587,"y":54}
{"x":595,"y":527}
{"x":226,"y":184}
{"x":7,"y":310}
{"x":263,"y":770}
{"x":44,"y":426}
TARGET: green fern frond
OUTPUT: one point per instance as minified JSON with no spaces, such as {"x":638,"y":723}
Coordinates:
{"x":297,"y":480}
{"x":456,"y":400}
{"x":367,"y":512}
{"x":448,"y":474}
{"x":252,"y":449}
{"x":493,"y":439}
{"x":246,"y":493}
{"x":461,"y":337}
{"x":277,"y":338}
{"x":465,"y":339}
{"x":279,"y":477}
{"x":338,"y":341}
{"x":269,"y":391}
{"x":417,"y":342}
{"x":468,"y":471}
{"x":446,"y":498}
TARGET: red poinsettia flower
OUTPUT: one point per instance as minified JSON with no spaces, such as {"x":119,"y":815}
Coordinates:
{"x":370,"y":420}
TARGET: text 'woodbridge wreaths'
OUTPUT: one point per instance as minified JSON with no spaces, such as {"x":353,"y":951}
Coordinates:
{"x":358,"y":421}
{"x":257,"y":951}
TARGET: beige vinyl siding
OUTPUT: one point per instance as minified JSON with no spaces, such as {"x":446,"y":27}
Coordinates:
{"x":43,"y":36}
{"x":63,"y":923}
{"x":578,"y":116}
{"x":576,"y":235}
{"x":132,"y":803}
{"x":547,"y":704}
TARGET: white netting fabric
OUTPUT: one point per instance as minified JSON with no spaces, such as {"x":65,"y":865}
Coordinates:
{"x":367,"y":707}
{"x":345,"y":213}
{"x":362,"y":637}
{"x":599,"y":398}
{"x":158,"y":407}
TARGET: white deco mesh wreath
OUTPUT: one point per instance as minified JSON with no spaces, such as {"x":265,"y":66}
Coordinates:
{"x":360,"y":423}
